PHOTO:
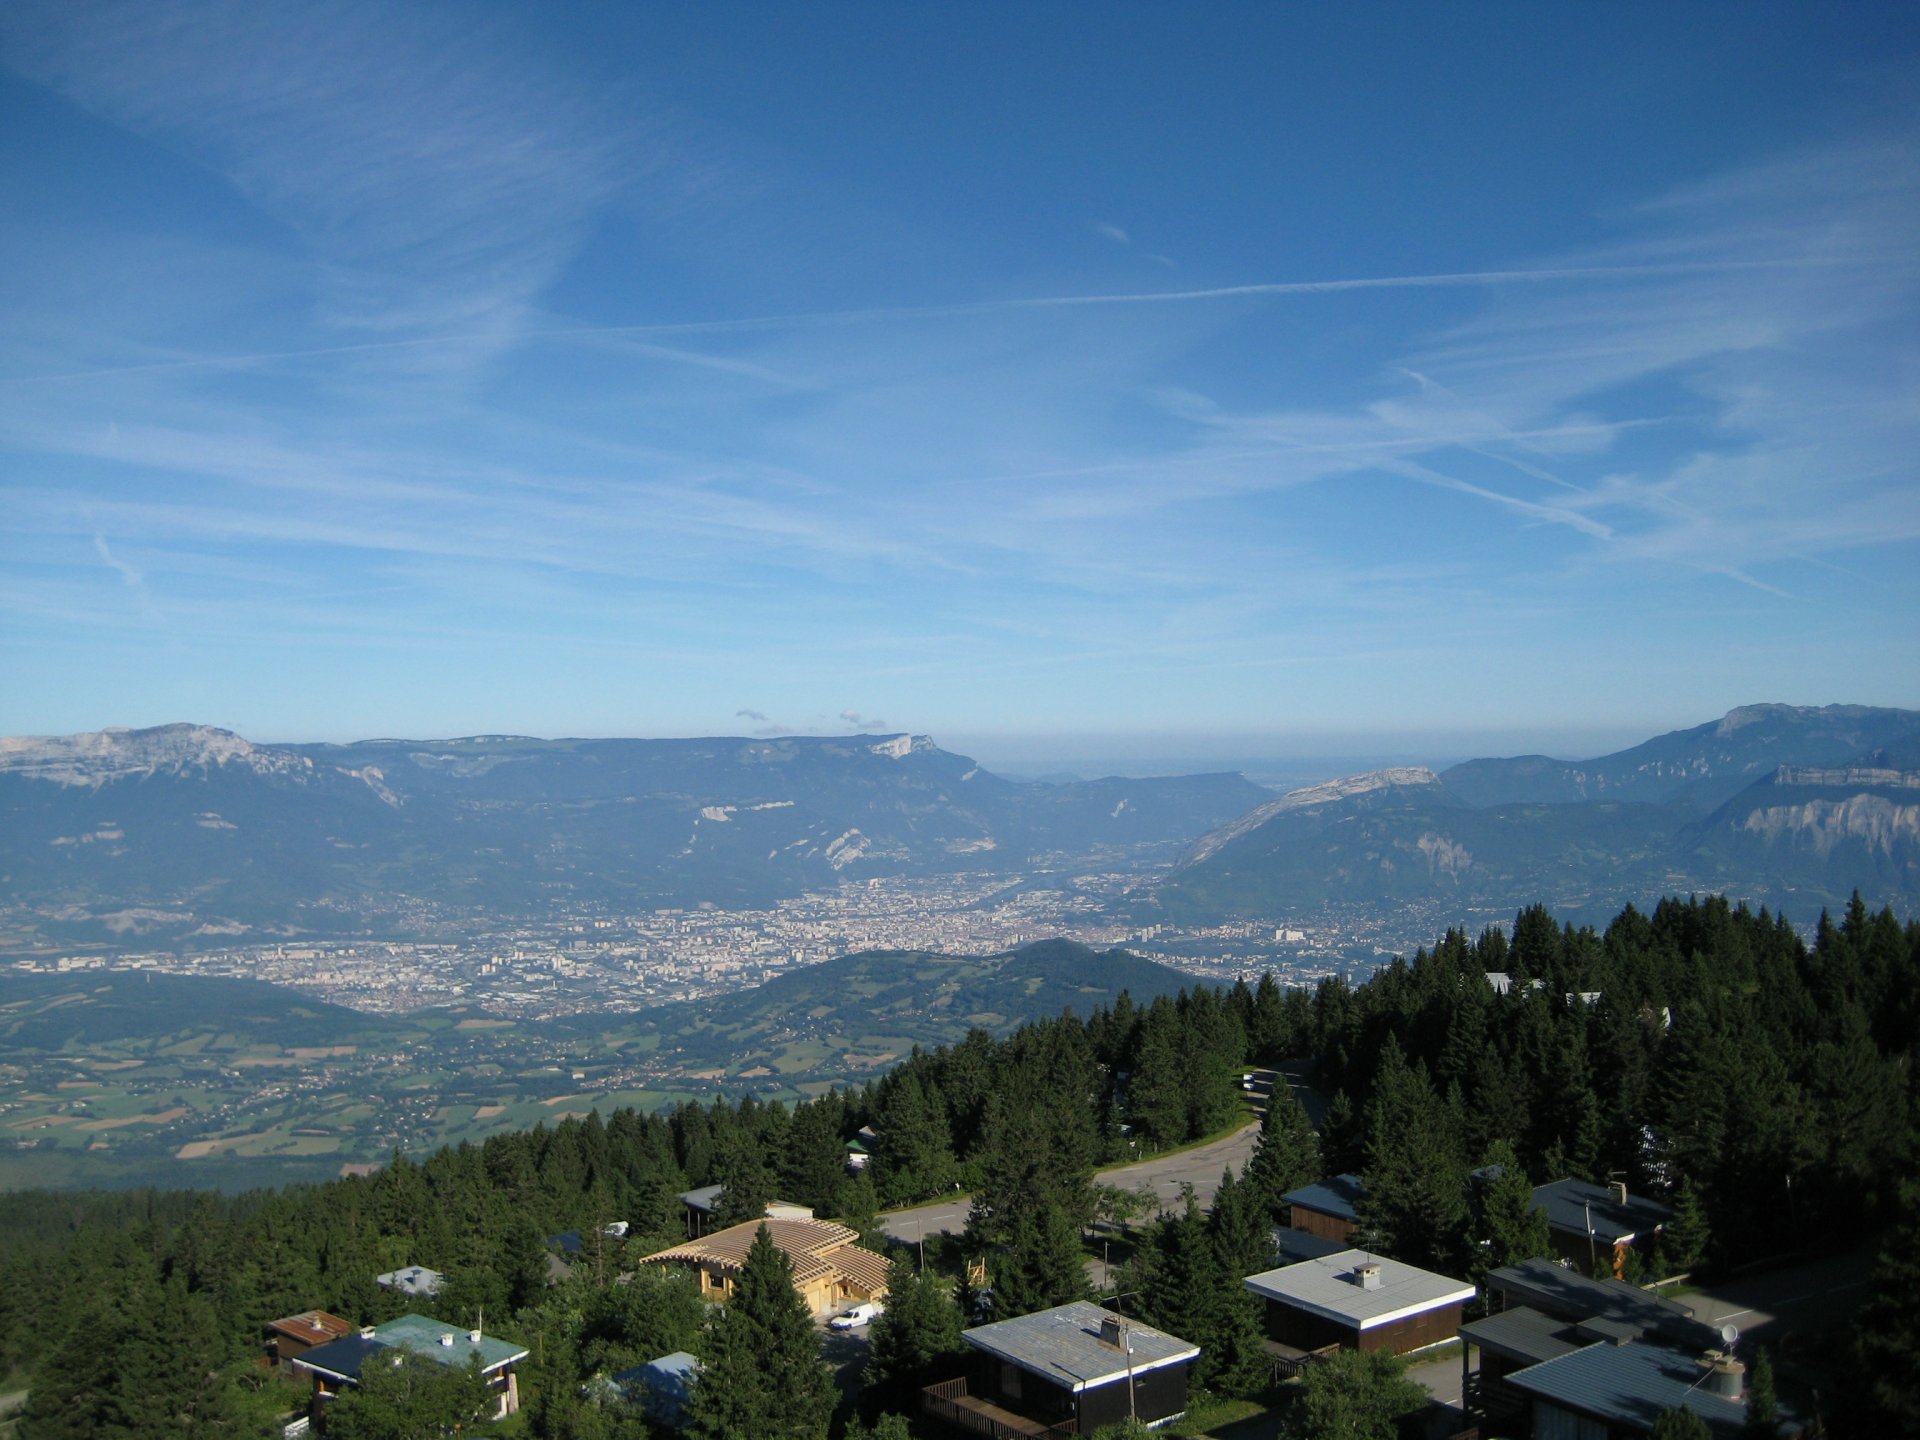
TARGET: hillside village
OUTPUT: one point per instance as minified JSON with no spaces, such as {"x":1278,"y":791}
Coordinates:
{"x":1495,"y":1181}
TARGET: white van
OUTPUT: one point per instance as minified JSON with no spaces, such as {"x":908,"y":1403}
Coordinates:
{"x":855,"y":1315}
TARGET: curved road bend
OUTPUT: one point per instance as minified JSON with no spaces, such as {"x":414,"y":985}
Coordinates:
{"x":1164,"y":1175}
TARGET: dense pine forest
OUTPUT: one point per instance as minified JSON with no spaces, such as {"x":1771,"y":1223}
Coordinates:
{"x":1764,"y":1085}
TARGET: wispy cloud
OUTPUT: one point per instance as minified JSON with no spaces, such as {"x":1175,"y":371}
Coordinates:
{"x":992,"y":472}
{"x":438,"y":183}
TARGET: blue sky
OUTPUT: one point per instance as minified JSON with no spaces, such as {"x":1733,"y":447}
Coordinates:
{"x":1052,"y":379}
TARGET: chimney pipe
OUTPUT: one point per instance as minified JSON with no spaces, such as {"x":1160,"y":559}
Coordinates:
{"x":1726,"y":1376}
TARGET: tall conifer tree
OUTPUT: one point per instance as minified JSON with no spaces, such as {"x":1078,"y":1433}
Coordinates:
{"x":1286,"y":1156}
{"x":763,"y":1374}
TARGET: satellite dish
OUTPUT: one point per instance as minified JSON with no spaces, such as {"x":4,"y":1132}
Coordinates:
{"x":1730,"y":1335}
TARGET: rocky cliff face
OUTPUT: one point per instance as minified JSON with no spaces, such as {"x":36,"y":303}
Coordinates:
{"x":1786,"y":806}
{"x":1882,"y":825}
{"x":1309,"y":798}
{"x":102,"y":756}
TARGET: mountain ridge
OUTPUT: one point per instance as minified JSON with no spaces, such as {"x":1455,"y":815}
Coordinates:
{"x":192,"y":829}
{"x":1780,"y":804}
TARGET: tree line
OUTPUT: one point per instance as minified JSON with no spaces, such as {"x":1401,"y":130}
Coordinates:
{"x":1702,"y":1052}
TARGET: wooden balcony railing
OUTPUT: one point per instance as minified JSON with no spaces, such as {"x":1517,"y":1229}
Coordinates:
{"x":951,"y":1402}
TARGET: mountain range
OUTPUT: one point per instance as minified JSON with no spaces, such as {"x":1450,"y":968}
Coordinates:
{"x":1779,"y":805}
{"x":186,"y":829}
{"x":181,"y":831}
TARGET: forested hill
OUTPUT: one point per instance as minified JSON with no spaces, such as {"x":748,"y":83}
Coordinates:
{"x":867,"y":1010}
{"x":1705,"y":1053}
{"x":1786,"y":806}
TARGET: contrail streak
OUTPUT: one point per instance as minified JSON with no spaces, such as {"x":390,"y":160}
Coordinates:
{"x":1257,"y":291}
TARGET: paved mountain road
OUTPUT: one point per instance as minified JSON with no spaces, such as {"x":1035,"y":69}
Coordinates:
{"x":1199,"y":1167}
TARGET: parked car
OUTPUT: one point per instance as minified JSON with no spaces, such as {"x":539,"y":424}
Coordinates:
{"x":855,"y":1315}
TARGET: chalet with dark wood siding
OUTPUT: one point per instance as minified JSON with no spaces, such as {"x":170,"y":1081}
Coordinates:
{"x":1539,"y":1310}
{"x":1619,"y":1392}
{"x":1360,"y":1302}
{"x":1065,"y":1371}
{"x":1327,"y":1208}
{"x":1591,"y":1224}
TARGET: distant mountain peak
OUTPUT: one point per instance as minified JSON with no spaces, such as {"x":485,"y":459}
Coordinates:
{"x":1323,"y":794}
{"x":97,"y":757}
{"x":1351,"y":785}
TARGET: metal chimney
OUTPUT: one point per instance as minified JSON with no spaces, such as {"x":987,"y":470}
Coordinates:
{"x":1725,"y":1377}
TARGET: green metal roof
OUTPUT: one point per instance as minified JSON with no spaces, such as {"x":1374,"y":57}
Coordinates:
{"x":423,"y":1336}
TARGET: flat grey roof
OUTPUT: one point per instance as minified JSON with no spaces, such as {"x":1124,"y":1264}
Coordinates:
{"x":1634,"y":1384}
{"x":1291,"y":1246}
{"x":1557,"y":1290}
{"x":1337,"y":1196}
{"x":1327,"y":1287}
{"x":1063,"y":1345}
{"x":1572,"y":1204}
{"x":1524,"y":1335}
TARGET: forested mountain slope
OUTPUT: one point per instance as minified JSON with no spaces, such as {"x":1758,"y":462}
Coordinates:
{"x":1773,"y":804}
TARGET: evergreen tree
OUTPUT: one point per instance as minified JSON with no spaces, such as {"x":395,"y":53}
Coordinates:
{"x":1286,"y":1156}
{"x":1415,"y":1203}
{"x":914,"y":1156}
{"x":1763,"y":1406}
{"x":887,"y":1427}
{"x":1157,"y":1092}
{"x":1680,"y":1424}
{"x":1041,"y":1264}
{"x":763,"y":1374}
{"x":1269,"y":1031}
{"x":140,"y":1361}
{"x":1683,"y":1244}
{"x":1241,"y":1230}
{"x":1187,"y":1293}
{"x":815,"y":1161}
{"x":746,"y":1180}
{"x":402,"y":1396}
{"x":857,"y":1205}
{"x":1508,"y":1226}
{"x":918,"y":1330}
{"x":1354,"y":1395}
{"x":1887,"y":1335}
{"x":1344,"y":1140}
